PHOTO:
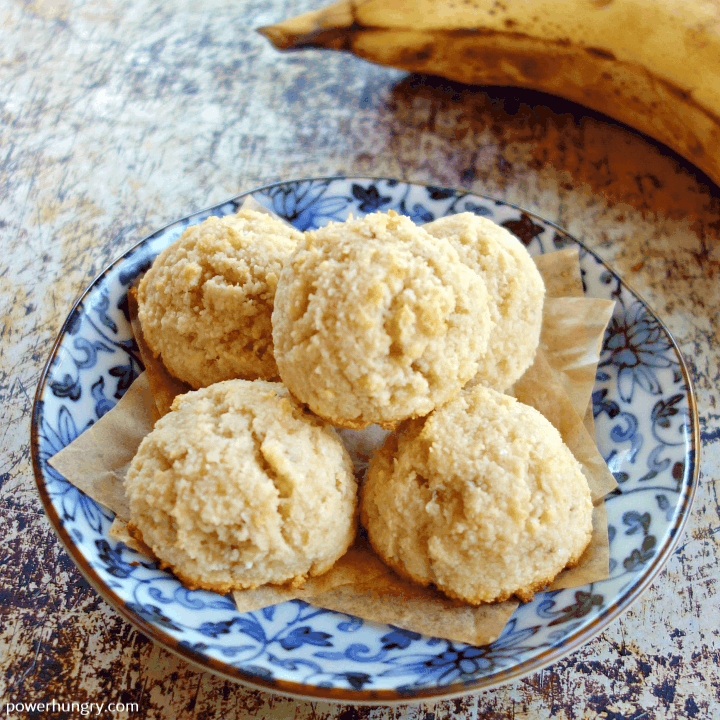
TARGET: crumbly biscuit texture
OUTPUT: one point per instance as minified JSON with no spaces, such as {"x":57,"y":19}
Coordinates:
{"x":376,"y":321}
{"x":481,"y":499}
{"x":239,"y":486}
{"x":206,"y":303}
{"x":516,"y":292}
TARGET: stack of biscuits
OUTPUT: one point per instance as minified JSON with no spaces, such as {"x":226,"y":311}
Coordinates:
{"x":288,"y":336}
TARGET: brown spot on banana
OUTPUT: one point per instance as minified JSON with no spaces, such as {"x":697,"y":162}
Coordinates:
{"x":480,"y":54}
{"x":599,"y":52}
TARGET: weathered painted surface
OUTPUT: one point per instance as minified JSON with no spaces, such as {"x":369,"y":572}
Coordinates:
{"x":116,"y":118}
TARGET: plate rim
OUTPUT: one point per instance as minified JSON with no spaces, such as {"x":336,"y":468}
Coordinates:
{"x":341,"y":695}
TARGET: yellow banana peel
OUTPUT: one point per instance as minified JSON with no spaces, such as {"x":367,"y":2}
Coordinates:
{"x":652,"y":64}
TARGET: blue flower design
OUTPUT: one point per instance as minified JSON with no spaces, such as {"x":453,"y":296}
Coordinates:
{"x":72,"y":503}
{"x":305,"y":634}
{"x":356,"y":680}
{"x":370,"y":198}
{"x":637,"y":347}
{"x":398,"y":638}
{"x":306,"y":205}
{"x":113,"y":561}
{"x":154,"y":615}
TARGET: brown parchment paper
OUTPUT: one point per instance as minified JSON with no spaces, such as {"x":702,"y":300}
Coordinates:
{"x":392,"y":600}
{"x":359,"y":583}
{"x":571,"y":340}
{"x":561,"y":273}
{"x":541,"y":388}
{"x":96,"y":461}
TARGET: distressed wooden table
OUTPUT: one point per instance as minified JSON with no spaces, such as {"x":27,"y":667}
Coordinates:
{"x":120,"y":117}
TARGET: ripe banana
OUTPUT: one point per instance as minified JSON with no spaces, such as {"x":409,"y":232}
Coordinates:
{"x":652,"y":64}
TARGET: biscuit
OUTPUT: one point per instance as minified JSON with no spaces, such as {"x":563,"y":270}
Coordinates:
{"x":376,"y":321}
{"x":481,"y":499}
{"x":516,"y":292}
{"x":206,"y":302}
{"x":238,"y":486}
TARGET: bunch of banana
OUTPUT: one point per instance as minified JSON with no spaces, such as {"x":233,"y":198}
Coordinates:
{"x":653,"y":64}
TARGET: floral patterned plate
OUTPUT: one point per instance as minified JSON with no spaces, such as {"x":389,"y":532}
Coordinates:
{"x":646,"y":429}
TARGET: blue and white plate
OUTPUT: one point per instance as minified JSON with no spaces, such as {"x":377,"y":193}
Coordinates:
{"x":646,"y":429}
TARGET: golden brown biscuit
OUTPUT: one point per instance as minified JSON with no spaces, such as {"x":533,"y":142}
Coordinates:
{"x":516,"y":292}
{"x":238,"y":486}
{"x":205,"y":304}
{"x":481,"y":499}
{"x":376,"y":321}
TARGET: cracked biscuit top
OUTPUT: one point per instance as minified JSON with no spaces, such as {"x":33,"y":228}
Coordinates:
{"x":206,"y":302}
{"x":376,"y":321}
{"x":239,"y":486}
{"x":481,"y":499}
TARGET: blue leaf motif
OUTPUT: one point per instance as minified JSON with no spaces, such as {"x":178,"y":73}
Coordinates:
{"x":327,"y":655}
{"x":636,"y":522}
{"x":215,"y":629}
{"x":351,"y":624}
{"x":583,"y":604}
{"x":157,"y":594}
{"x":101,"y":309}
{"x":67,"y":387}
{"x":370,"y":198}
{"x":153,"y":614}
{"x":294,"y":663}
{"x":125,"y":375}
{"x":248,"y":625}
{"x":305,"y":635}
{"x":638,"y":558}
{"x":664,"y":505}
{"x":201,"y":600}
{"x":398,"y":638}
{"x":602,"y":405}
{"x":626,"y":430}
{"x":95,"y":515}
{"x":320,"y":214}
{"x":76,"y":535}
{"x":420,"y":214}
{"x":362,"y":653}
{"x":666,"y":409}
{"x":102,"y":404}
{"x":90,"y":350}
{"x":480,"y":210}
{"x":139,"y":266}
{"x":439,"y":193}
{"x":112,"y":557}
{"x":74,"y":322}
{"x":356,"y":679}
{"x":66,"y":429}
